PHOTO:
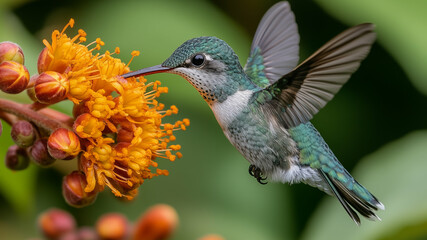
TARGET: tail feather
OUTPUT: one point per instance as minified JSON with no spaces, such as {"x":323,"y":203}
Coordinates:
{"x":349,"y":200}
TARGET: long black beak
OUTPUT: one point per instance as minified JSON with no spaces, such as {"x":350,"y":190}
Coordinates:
{"x":146,"y":71}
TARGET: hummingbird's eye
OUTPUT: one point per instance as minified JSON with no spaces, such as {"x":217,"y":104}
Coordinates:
{"x":198,"y":60}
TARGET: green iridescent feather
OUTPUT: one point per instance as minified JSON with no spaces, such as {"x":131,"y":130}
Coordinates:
{"x":316,"y":153}
{"x":255,"y":69}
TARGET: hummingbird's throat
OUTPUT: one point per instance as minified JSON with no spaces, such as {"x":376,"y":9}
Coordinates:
{"x":198,"y":80}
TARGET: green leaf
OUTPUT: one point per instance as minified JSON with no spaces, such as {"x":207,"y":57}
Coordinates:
{"x":396,"y":174}
{"x":400,"y":26}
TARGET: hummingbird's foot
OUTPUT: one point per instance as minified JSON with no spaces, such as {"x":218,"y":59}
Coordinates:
{"x":257,"y":173}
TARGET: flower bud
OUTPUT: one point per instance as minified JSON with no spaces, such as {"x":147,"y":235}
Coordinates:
{"x":87,"y":233}
{"x":44,"y":60}
{"x":16,"y":158}
{"x":23,"y":134}
{"x":10,"y":51}
{"x":51,"y":87}
{"x":73,"y":235}
{"x":80,"y":109}
{"x":63,"y":144}
{"x":211,"y":237}
{"x":39,"y":153}
{"x":112,"y":226}
{"x":30,"y":88}
{"x":55,"y":223}
{"x":124,"y":135}
{"x":14,"y":77}
{"x":157,"y":223}
{"x":73,"y":186}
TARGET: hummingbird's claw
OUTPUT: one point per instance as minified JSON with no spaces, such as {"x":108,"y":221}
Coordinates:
{"x":256,"y":172}
{"x":251,"y":169}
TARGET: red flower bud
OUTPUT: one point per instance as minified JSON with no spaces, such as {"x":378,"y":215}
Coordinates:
{"x":51,"y":87}
{"x":44,"y":63}
{"x":44,"y":60}
{"x":63,"y":144}
{"x":212,"y":237}
{"x":80,"y":109}
{"x":157,"y":223}
{"x":10,"y":51}
{"x":73,"y":186}
{"x":16,"y":158}
{"x":30,"y":88}
{"x":39,"y":153}
{"x":14,"y":77}
{"x":87,"y":233}
{"x":112,"y":226}
{"x":23,"y":134}
{"x":124,"y":135}
{"x":73,"y":235}
{"x":55,"y":222}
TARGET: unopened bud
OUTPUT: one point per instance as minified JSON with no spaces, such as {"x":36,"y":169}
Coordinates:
{"x":44,"y":60}
{"x":55,"y":223}
{"x":30,"y":88}
{"x":73,"y":186}
{"x":39,"y":153}
{"x":124,"y":135}
{"x":112,"y":226}
{"x":14,"y":77}
{"x":212,"y":237}
{"x":80,"y":109}
{"x":23,"y":134}
{"x":87,"y":233}
{"x":10,"y":51}
{"x":157,"y":223}
{"x":63,"y":144}
{"x":73,"y":235}
{"x":16,"y":158}
{"x":51,"y":87}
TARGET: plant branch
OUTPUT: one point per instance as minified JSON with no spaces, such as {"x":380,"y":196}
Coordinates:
{"x":23,"y":111}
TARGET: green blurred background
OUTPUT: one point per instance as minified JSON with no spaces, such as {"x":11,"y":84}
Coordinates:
{"x":376,"y":125}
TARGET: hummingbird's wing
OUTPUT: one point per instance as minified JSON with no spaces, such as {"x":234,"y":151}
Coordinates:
{"x":275,"y":48}
{"x":300,"y":94}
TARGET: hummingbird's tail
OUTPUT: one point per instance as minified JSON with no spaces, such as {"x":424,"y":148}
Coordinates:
{"x":353,"y":198}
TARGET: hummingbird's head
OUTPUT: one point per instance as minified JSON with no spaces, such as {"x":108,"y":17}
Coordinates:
{"x":208,"y":63}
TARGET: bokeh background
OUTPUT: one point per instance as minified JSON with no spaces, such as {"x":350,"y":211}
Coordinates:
{"x":376,"y":125}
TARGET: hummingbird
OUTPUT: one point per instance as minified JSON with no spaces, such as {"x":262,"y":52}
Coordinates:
{"x":265,"y":107}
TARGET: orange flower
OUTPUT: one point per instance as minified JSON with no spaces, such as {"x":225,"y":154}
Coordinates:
{"x":107,"y":102}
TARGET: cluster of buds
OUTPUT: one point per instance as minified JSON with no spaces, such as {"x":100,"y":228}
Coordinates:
{"x":157,"y":223}
{"x":116,"y":131}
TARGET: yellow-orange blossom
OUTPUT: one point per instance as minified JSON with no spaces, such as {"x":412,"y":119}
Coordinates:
{"x":118,"y":121}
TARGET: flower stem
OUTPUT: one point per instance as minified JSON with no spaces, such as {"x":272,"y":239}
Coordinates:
{"x":8,"y":118}
{"x":37,"y":106}
{"x":63,"y":118}
{"x":23,"y":111}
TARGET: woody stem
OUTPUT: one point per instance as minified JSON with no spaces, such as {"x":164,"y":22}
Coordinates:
{"x":23,"y":111}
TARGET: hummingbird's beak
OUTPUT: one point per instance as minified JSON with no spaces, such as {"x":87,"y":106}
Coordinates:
{"x":146,"y":71}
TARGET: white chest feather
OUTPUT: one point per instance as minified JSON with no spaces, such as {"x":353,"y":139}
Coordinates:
{"x":226,"y":111}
